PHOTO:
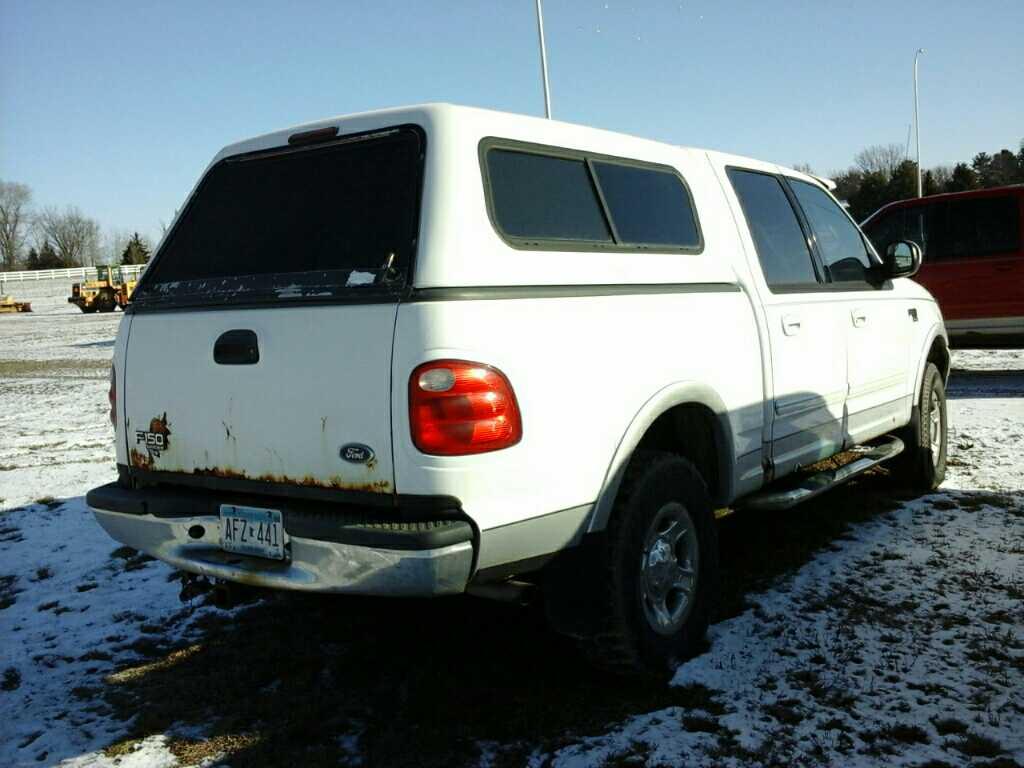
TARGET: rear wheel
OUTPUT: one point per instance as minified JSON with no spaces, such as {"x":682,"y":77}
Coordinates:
{"x":922,"y":465}
{"x":660,"y":569}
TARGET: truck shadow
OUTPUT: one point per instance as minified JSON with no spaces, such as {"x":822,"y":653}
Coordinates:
{"x":975,"y":384}
{"x":312,"y":680}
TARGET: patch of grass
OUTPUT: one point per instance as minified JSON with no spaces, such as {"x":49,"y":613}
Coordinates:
{"x":976,"y":745}
{"x":133,"y":559}
{"x":48,"y":501}
{"x":55,"y":368}
{"x":219,"y":748}
{"x":786,"y":711}
{"x":904,"y":734}
{"x":757,"y":549}
{"x":701,"y":724}
{"x":948,"y":726}
{"x":8,"y":590}
{"x":303,"y":670}
{"x":977,"y":500}
{"x":636,"y":754}
{"x":10,"y":680}
{"x":95,"y":655}
{"x":42,"y":574}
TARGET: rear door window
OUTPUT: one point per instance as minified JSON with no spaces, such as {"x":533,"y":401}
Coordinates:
{"x":839,"y":241}
{"x":982,"y":226}
{"x":324,"y":223}
{"x":778,"y":237}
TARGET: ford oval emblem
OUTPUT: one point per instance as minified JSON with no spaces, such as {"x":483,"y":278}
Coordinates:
{"x":356,"y":453}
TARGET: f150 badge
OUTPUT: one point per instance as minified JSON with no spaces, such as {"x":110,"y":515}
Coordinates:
{"x":157,"y":438}
{"x":357,"y":453}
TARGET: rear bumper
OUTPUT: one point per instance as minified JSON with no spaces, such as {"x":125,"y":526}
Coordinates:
{"x":330,"y":549}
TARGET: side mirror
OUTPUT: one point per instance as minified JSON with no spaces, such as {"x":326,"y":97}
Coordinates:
{"x":902,"y":259}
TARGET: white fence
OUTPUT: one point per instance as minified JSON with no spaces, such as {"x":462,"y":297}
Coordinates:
{"x":71,"y":273}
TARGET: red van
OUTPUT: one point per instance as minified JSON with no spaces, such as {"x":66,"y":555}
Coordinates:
{"x":973,"y":248}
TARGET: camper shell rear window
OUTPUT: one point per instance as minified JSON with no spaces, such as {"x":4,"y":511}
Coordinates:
{"x":332,"y":222}
{"x":549,"y":198}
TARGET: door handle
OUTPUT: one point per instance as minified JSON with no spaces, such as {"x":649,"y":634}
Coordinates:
{"x":238,"y":347}
{"x":859,"y":318}
{"x":790,"y":325}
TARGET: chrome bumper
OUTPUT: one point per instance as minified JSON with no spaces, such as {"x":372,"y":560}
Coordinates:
{"x":313,"y":565}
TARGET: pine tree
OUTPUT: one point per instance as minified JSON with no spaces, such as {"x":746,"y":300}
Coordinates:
{"x":136,"y":252}
{"x":982,"y":165}
{"x":1003,"y":169}
{"x":45,"y":258}
{"x":963,"y":179}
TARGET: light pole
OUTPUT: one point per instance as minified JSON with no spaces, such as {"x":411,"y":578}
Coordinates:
{"x":917,"y":124}
{"x":543,"y":61}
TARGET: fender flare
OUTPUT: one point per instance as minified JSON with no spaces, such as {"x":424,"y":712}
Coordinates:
{"x":936,"y":331}
{"x":679,"y":393}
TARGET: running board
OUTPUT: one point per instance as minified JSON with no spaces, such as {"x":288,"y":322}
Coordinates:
{"x":816,"y":484}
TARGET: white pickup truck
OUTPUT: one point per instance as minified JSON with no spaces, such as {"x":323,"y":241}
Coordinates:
{"x":437,"y":349}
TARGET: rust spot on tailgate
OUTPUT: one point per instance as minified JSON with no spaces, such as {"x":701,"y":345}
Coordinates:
{"x":335,"y":482}
{"x":157,"y":439}
{"x":141,"y":460}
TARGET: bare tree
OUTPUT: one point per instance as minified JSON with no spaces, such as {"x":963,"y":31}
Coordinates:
{"x":880,"y":158}
{"x":75,"y":237}
{"x":804,"y":168}
{"x":942,"y":174}
{"x":114,"y":243}
{"x":14,"y":221}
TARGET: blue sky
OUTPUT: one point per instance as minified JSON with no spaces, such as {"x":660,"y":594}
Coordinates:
{"x":116,"y":107}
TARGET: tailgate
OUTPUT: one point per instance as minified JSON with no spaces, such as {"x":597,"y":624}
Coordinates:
{"x":260,"y":344}
{"x":314,"y":410}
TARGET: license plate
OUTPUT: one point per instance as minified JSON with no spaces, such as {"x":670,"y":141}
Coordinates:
{"x":252,"y":531}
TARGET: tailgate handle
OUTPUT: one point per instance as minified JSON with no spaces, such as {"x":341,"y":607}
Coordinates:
{"x":238,"y":347}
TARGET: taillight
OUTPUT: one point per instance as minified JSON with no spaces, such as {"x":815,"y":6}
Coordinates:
{"x":458,"y":408}
{"x":112,"y":396}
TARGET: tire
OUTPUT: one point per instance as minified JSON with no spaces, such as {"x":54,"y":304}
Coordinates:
{"x":922,"y":465}
{"x":643,"y":630}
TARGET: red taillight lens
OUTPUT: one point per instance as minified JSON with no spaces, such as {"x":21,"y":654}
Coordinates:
{"x":112,"y":396}
{"x":458,"y":408}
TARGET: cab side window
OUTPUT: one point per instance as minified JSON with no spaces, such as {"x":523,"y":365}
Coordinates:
{"x":840,"y":243}
{"x":779,"y":240}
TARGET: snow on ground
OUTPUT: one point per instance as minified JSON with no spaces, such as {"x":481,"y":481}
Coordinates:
{"x":902,"y":643}
{"x":71,"y":603}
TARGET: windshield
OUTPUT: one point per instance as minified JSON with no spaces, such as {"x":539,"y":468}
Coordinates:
{"x":320,"y":223}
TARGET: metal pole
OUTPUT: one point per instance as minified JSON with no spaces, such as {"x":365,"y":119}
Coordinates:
{"x":917,"y":124}
{"x":543,"y":61}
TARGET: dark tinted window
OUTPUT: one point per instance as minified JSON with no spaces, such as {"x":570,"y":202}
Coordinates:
{"x":289,"y":225}
{"x":648,"y":206}
{"x":546,"y":198}
{"x":949,"y":230}
{"x":779,"y":240}
{"x":839,"y":241}
{"x":886,"y":229}
{"x":980,"y":226}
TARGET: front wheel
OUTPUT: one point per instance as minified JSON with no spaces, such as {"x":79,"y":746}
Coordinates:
{"x":660,"y":568}
{"x":922,"y":465}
